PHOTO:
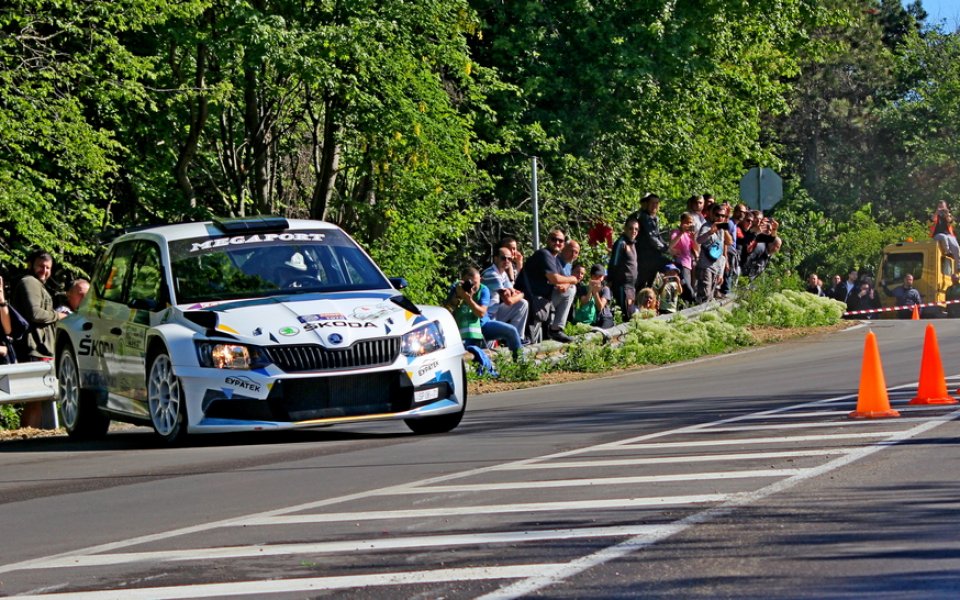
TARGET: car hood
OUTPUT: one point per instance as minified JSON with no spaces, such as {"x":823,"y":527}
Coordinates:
{"x":332,"y":319}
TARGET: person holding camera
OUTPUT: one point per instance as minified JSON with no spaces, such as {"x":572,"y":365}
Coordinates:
{"x":593,"y":298}
{"x":711,"y":262}
{"x":941,"y":229}
{"x":468,"y":301}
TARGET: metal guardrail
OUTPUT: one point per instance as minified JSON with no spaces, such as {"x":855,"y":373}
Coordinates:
{"x":27,"y":382}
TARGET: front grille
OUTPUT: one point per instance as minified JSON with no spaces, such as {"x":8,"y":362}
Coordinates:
{"x":344,"y":396}
{"x":365,"y":353}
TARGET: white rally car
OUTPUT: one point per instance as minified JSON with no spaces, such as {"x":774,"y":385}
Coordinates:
{"x":253,"y":324}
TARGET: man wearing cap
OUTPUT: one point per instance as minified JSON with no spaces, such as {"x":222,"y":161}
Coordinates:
{"x":671,"y":290}
{"x":651,"y":248}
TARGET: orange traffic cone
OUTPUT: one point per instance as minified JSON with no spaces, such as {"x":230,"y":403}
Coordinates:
{"x":872,"y":401}
{"x":932,"y":388}
{"x":916,"y":314}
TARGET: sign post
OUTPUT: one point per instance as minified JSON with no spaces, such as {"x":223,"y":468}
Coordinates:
{"x":761,"y":188}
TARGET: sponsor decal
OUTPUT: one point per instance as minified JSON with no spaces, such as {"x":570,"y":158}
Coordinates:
{"x":243,"y":383}
{"x":427,"y":368}
{"x":374,"y":311}
{"x":335,"y":339}
{"x":288,"y":331}
{"x":134,"y":337}
{"x":89,"y":347}
{"x":350,"y":324}
{"x":240,"y":240}
{"x":321,"y":317}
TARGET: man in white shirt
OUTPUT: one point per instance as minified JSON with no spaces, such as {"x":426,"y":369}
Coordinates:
{"x":506,"y":303}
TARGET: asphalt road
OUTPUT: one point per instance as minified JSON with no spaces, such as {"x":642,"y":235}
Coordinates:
{"x":735,"y":476}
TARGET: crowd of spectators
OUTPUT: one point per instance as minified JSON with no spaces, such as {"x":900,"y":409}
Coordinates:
{"x":647,"y":270}
{"x":28,"y":321}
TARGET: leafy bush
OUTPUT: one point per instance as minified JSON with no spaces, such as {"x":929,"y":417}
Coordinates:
{"x":9,"y":416}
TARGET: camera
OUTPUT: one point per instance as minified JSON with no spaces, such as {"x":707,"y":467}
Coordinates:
{"x":467,"y":285}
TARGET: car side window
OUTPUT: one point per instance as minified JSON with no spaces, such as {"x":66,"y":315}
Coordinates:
{"x":113,"y":283}
{"x":146,"y":276}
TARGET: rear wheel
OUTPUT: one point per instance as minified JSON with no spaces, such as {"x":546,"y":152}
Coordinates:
{"x":168,"y":410}
{"x":442,"y":423}
{"x":78,"y":407}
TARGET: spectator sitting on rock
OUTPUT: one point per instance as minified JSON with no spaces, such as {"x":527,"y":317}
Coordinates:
{"x":540,"y":276}
{"x":506,"y":303}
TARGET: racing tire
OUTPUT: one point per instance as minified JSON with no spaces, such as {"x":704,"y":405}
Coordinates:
{"x":441,"y":423}
{"x":168,"y":410}
{"x":78,"y":407}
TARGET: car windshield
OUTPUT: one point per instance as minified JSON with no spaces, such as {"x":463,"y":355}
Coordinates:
{"x":253,"y":265}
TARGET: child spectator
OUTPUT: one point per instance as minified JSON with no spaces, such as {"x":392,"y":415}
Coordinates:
{"x":671,"y":289}
{"x":684,"y":248}
{"x":593,"y":300}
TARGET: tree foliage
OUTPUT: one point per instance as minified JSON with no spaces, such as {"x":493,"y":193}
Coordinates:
{"x":414,"y":125}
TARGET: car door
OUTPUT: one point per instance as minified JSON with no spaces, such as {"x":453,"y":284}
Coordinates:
{"x":109,"y":319}
{"x":144,"y":300}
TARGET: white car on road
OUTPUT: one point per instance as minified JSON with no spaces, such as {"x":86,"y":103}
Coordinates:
{"x":253,"y":324}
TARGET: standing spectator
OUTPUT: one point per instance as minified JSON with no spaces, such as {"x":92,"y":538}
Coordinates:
{"x":13,"y":328}
{"x":683,"y":247}
{"x":34,"y":303}
{"x":516,"y":257}
{"x":695,"y":208}
{"x":845,"y":290}
{"x":622,"y":269}
{"x":904,"y":295}
{"x":506,"y":303}
{"x":537,"y":280}
{"x":814,"y":286}
{"x":941,"y":229}
{"x":953,"y":297}
{"x":835,"y":282}
{"x":593,"y":301}
{"x":710,"y":264}
{"x":731,"y":253}
{"x":468,"y":301}
{"x":650,"y":244}
{"x":865,"y":299}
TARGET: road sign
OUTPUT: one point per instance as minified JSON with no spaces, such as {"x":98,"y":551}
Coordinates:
{"x":761,"y":188}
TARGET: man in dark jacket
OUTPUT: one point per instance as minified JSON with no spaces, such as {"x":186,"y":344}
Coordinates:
{"x":34,"y":303}
{"x":651,"y":249}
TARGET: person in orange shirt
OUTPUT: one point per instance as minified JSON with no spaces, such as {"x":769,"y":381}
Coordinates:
{"x":941,"y":229}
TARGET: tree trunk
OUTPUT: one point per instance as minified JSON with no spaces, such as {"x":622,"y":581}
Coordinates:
{"x":329,"y":163}
{"x":200,"y":112}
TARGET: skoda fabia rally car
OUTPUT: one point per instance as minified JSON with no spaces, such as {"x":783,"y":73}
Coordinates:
{"x":253,"y":324}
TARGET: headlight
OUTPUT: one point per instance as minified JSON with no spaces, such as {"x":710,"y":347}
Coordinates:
{"x":226,"y":356}
{"x":422,"y":340}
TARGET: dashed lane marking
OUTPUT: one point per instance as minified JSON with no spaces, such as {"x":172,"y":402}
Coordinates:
{"x":280,"y":586}
{"x":369,"y":545}
{"x":487,"y":509}
{"x":663,"y":460}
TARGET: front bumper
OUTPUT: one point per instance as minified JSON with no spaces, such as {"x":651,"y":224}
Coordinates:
{"x":222,"y":401}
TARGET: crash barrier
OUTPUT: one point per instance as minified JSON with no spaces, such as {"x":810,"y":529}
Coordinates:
{"x":872,"y":311}
{"x":27,"y":382}
{"x":550,"y":351}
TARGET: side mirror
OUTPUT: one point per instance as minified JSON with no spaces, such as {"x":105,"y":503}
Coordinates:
{"x":398,"y":283}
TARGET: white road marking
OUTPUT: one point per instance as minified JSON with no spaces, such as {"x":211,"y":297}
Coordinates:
{"x":658,"y":460}
{"x":850,"y":423}
{"x":597,"y":481}
{"x":547,"y":578}
{"x":486,"y":509}
{"x":370,"y":545}
{"x":259,"y":588}
{"x":763,"y":440}
{"x":836,"y":413}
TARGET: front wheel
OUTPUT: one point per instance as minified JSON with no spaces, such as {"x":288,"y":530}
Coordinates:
{"x":441,"y":423}
{"x":168,"y":410}
{"x":81,"y":417}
